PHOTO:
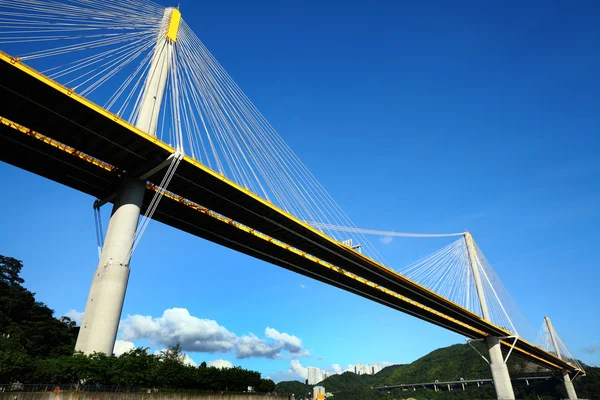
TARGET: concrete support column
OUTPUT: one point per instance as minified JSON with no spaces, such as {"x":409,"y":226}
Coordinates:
{"x":107,"y":294}
{"x":569,"y":386}
{"x":500,"y":376}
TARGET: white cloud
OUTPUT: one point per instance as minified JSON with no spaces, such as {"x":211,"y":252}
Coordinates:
{"x":386,"y":239}
{"x":303,"y":286}
{"x":75,"y":315}
{"x":291,"y":343}
{"x":122,"y":346}
{"x":177,"y":325}
{"x":592,"y":349}
{"x":187,"y":360}
{"x":252,"y":346}
{"x":298,"y":369}
{"x":220,"y":364}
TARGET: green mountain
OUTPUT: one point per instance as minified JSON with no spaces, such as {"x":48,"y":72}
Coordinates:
{"x":449,"y":363}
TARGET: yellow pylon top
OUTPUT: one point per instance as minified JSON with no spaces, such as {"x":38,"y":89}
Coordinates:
{"x":174,"y":25}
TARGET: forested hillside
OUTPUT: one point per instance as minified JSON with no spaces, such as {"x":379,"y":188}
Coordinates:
{"x":450,"y":363}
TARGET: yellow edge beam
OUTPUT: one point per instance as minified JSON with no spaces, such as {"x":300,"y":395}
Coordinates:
{"x":56,"y":144}
{"x":69,"y":92}
{"x":174,"y":25}
{"x":69,"y":150}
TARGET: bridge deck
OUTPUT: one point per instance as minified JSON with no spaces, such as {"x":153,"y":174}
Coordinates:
{"x":103,"y":147}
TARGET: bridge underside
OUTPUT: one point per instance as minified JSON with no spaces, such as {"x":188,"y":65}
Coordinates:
{"x":70,"y":140}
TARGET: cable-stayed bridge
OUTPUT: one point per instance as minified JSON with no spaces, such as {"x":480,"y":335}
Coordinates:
{"x":124,"y":103}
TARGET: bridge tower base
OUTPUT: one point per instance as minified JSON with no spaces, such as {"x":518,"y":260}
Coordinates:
{"x":569,"y":386}
{"x":500,"y":376}
{"x":105,"y":302}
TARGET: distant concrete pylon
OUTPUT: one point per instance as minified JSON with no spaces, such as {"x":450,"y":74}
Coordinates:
{"x":565,"y":374}
{"x":105,"y":301}
{"x":500,"y":375}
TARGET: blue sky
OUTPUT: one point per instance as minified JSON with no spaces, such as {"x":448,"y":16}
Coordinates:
{"x":443,"y":117}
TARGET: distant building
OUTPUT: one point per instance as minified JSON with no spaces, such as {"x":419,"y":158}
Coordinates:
{"x":361,"y":369}
{"x":314,"y":375}
{"x":318,"y":392}
{"x":376,"y":368}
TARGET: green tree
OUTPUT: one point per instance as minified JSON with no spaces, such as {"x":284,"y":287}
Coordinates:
{"x":266,"y":385}
{"x":171,"y":371}
{"x":136,"y":368}
{"x":10,"y":268}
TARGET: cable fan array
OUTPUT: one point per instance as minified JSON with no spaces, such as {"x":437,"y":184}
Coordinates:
{"x":448,"y":272}
{"x":544,"y":340}
{"x":104,"y":50}
{"x":84,"y":44}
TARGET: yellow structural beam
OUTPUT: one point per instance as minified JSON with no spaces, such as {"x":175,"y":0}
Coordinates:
{"x":174,"y":25}
{"x":56,"y":144}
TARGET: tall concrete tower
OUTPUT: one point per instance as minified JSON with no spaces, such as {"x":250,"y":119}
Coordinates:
{"x":500,"y":376}
{"x":565,"y":374}
{"x":105,"y":301}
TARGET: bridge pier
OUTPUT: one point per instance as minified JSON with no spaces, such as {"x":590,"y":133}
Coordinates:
{"x":500,"y":376}
{"x":565,"y":374}
{"x":569,"y":386}
{"x":107,"y":294}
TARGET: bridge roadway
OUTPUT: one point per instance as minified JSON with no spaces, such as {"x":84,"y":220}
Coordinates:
{"x":51,"y":131}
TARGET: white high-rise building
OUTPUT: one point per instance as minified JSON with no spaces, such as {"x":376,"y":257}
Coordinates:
{"x":314,"y":375}
{"x":376,"y":368}
{"x":361,"y":369}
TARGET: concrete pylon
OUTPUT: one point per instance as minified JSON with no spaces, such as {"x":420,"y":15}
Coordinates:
{"x":500,"y":375}
{"x":105,"y":301}
{"x":565,"y":374}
